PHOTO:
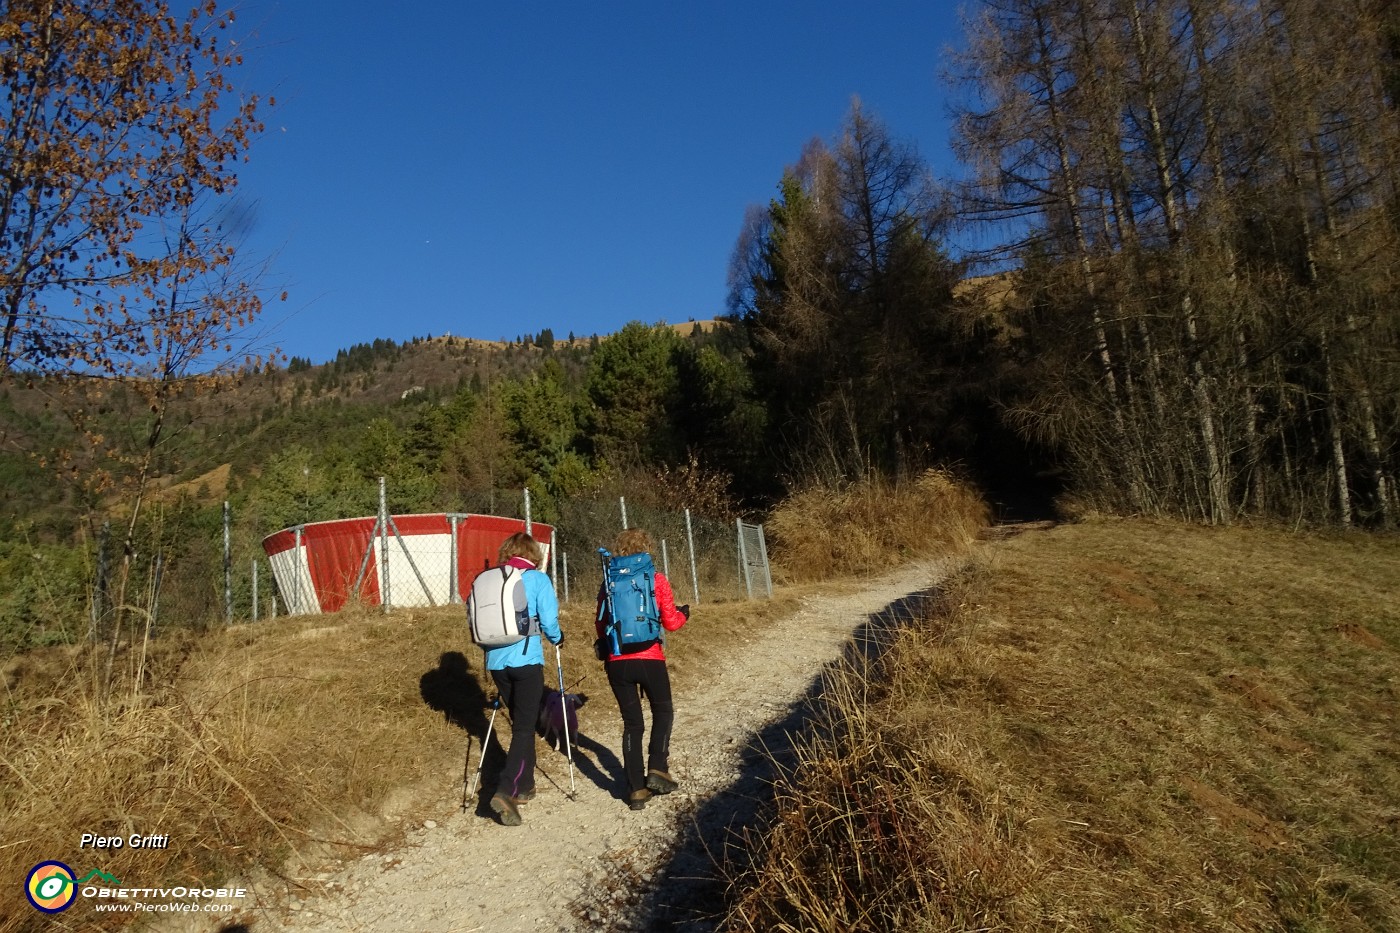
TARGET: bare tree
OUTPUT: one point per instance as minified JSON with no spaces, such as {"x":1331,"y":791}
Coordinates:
{"x":120,"y":131}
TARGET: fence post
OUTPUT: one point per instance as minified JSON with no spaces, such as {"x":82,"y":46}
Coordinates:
{"x":566,"y":578}
{"x":296,"y":573}
{"x":99,"y":585}
{"x":384,"y":599}
{"x":255,"y":589}
{"x":453,"y":596}
{"x":665,"y":559}
{"x":694,"y":577}
{"x":529,"y":525}
{"x":155,"y":588}
{"x":228,"y":570}
{"x":743,"y":559}
{"x":622,"y":502}
{"x":412,"y":564}
{"x":763,"y":553}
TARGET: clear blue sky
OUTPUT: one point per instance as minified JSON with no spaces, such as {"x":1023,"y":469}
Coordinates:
{"x":490,"y":170}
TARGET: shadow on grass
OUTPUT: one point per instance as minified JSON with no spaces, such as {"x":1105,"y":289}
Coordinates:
{"x":453,"y":690}
{"x":688,"y":894}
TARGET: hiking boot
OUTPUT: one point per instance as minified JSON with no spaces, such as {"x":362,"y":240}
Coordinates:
{"x":659,"y":782}
{"x":504,"y":807}
{"x":637,"y":800}
{"x":524,"y":797}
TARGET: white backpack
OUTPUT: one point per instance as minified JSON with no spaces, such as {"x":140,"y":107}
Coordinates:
{"x":498,"y":610}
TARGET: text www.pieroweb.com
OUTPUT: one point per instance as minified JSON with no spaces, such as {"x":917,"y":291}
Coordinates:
{"x":140,"y":907}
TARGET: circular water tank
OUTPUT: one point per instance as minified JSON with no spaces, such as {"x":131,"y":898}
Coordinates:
{"x":415,"y":560}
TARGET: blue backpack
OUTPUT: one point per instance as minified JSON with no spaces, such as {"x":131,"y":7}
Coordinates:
{"x":632,"y":622}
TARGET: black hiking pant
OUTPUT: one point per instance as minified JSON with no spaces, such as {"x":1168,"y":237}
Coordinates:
{"x":630,"y":681}
{"x":522,"y":692}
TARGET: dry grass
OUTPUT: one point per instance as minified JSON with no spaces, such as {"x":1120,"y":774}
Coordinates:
{"x":1121,"y":725}
{"x":211,"y":486}
{"x":276,"y":746}
{"x":686,"y":328}
{"x":282,"y":744}
{"x":822,"y":533}
{"x":261,"y":741}
{"x":1118,"y":726}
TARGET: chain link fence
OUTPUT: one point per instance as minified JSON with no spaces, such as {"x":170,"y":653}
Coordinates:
{"x":698,"y":554}
{"x":213,"y":569}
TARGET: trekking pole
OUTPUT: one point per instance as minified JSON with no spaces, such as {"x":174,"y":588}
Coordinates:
{"x":564,"y":708}
{"x":495,"y":706}
{"x":466,"y":770}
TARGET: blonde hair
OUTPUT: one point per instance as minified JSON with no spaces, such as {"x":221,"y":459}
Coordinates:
{"x":633,"y":541}
{"x":520,"y":545}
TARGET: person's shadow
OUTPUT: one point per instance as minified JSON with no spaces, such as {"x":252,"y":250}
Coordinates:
{"x":608,"y":772}
{"x":605,"y":772}
{"x":453,"y":690}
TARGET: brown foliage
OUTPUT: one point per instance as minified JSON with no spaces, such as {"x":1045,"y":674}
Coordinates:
{"x":1208,"y":327}
{"x":112,"y":145}
{"x":822,"y":532}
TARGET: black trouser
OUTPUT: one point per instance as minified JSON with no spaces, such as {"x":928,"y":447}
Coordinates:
{"x":522,"y":692}
{"x":630,"y":681}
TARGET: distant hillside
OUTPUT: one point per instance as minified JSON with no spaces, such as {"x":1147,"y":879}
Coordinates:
{"x":687,"y":328}
{"x":234,"y":430}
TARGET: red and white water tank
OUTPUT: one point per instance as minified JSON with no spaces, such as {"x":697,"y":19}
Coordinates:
{"x":413,"y":560}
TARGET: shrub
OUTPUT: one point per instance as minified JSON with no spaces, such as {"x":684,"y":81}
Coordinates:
{"x":822,"y":532}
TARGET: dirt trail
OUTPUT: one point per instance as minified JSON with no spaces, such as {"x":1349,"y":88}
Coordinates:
{"x":590,"y":863}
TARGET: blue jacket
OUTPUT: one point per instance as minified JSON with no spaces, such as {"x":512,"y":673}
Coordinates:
{"x":542,"y":605}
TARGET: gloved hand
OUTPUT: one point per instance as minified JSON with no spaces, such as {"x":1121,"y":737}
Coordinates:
{"x":560,"y":642}
{"x":685,"y":611}
{"x":601,"y":650}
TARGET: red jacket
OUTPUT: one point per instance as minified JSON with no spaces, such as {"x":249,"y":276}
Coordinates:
{"x":671,"y":620}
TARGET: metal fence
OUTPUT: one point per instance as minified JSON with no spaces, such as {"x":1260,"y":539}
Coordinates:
{"x":753,"y":559}
{"x":698,"y":554}
{"x":224,"y":575}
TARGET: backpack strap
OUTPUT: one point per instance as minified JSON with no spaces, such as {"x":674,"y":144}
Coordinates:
{"x":606,"y":607}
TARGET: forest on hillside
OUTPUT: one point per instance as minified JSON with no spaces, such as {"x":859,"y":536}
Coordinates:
{"x":1162,"y":285}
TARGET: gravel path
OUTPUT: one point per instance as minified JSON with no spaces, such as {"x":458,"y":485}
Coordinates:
{"x":589,"y":863}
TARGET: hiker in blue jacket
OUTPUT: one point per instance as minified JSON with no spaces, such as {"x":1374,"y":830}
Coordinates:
{"x":518,"y":671}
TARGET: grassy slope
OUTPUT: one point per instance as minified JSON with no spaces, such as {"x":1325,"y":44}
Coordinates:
{"x":297,"y":738}
{"x":292,"y":739}
{"x":1123,"y":726}
{"x":1120,"y":726}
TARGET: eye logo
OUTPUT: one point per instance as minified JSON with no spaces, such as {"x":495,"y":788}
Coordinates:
{"x":50,"y":887}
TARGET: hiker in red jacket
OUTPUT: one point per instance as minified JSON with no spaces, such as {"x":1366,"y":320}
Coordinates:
{"x":638,"y":669}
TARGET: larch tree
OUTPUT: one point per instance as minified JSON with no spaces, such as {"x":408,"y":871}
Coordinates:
{"x":1199,"y":199}
{"x":845,"y":293}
